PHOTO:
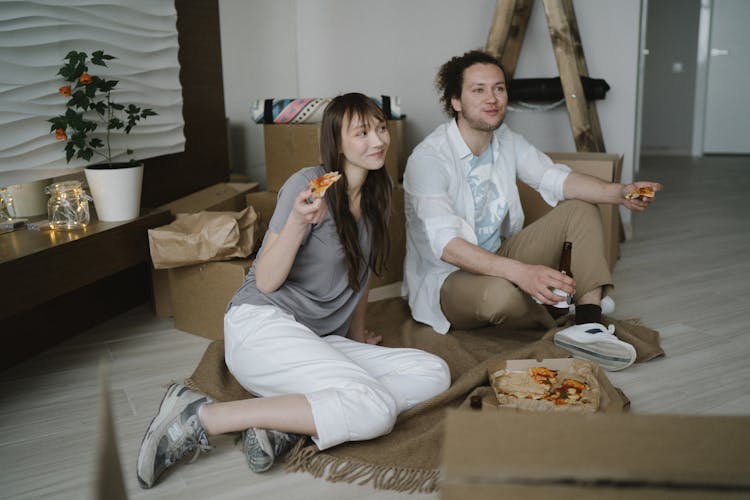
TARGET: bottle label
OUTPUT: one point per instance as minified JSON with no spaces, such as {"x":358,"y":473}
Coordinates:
{"x":563,"y":304}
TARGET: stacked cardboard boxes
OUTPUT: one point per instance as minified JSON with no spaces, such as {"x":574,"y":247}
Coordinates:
{"x":221,"y":197}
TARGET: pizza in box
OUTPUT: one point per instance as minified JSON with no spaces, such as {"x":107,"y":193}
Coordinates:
{"x":566,"y":385}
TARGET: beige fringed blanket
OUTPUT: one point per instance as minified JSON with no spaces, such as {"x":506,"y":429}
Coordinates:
{"x":408,"y":458}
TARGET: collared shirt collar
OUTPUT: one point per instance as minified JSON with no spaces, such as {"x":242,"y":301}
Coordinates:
{"x":460,"y":146}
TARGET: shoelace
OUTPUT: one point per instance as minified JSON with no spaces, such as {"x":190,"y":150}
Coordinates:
{"x":203,"y":446}
{"x":196,"y":446}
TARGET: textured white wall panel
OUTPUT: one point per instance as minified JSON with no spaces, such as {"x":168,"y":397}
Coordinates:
{"x":35,"y":36}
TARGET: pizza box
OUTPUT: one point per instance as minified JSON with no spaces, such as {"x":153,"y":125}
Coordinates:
{"x":612,"y":399}
{"x":489,"y":455}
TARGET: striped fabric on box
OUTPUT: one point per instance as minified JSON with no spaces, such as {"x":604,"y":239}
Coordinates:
{"x":310,"y":110}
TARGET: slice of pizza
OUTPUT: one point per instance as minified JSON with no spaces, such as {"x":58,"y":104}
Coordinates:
{"x":570,"y":391}
{"x":543,"y":375}
{"x":532,"y":384}
{"x":319,"y":185}
{"x":646,"y":191}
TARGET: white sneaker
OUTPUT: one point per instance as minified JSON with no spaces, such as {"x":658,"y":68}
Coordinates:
{"x":607,"y":304}
{"x":594,"y":342}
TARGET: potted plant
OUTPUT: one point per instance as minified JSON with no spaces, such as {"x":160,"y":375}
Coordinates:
{"x":115,"y":186}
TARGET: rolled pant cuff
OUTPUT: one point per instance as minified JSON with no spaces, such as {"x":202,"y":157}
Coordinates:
{"x":328,"y":414}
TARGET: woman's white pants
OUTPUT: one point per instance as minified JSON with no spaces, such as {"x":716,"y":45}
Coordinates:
{"x":355,"y":390}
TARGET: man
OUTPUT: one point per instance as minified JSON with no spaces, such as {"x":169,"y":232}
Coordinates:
{"x":469,"y":261}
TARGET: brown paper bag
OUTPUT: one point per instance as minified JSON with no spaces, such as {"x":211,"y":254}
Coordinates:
{"x":202,"y":237}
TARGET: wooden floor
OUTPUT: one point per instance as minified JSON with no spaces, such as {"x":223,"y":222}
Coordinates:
{"x":686,"y":273}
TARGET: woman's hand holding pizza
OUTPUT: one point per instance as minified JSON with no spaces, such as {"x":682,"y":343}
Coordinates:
{"x":304,"y":212}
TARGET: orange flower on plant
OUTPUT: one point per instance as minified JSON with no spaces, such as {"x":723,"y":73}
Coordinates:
{"x":85,"y":79}
{"x":65,"y":90}
{"x":60,"y":135}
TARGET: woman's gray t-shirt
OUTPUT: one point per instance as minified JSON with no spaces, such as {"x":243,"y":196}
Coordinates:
{"x":317,"y":291}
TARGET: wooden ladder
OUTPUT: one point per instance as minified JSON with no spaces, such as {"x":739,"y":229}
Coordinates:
{"x":506,"y":37}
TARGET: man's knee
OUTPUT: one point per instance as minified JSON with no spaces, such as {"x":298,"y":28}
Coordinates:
{"x":501,"y":303}
{"x":581,"y":210}
{"x":490,"y":300}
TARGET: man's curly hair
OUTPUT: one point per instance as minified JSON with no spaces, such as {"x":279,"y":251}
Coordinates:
{"x":450,"y":77}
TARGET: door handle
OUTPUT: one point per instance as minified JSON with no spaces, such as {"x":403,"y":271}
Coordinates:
{"x":719,"y":52}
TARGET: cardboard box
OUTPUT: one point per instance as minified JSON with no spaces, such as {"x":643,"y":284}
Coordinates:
{"x":221,"y":197}
{"x":264,"y":203}
{"x":489,"y":455}
{"x":200,"y":295}
{"x":605,"y":166}
{"x":290,"y":147}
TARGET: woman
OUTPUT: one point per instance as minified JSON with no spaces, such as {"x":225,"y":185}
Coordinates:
{"x":295,"y":331}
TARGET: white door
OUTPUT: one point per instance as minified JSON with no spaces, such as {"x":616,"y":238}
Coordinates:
{"x":727,"y":122}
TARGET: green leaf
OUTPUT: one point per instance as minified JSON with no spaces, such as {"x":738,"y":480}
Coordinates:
{"x":98,"y":57}
{"x":118,"y":107}
{"x":57,"y":122}
{"x":69,"y":152}
{"x":86,"y":154}
{"x":148,"y":112}
{"x":90,"y":90}
{"x":79,"y":99}
{"x":115,"y":123}
{"x":107,"y":85}
{"x":96,"y":143}
{"x":99,"y":107}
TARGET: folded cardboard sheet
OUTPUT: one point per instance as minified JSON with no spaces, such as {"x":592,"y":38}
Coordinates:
{"x":489,"y":454}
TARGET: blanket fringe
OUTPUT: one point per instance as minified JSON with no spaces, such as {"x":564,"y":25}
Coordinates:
{"x":349,"y":470}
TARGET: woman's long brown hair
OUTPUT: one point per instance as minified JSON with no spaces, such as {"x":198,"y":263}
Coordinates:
{"x":376,"y":192}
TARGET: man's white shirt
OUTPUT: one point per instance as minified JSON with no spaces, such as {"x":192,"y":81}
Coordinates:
{"x":440,"y":205}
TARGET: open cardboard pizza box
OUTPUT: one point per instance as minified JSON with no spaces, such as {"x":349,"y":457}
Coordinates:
{"x":491,"y":454}
{"x":610,"y":398}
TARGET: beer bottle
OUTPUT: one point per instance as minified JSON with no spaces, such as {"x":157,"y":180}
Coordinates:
{"x":562,"y":307}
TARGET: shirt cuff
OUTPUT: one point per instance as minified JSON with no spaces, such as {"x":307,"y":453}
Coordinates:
{"x":551,"y":186}
{"x":440,"y":230}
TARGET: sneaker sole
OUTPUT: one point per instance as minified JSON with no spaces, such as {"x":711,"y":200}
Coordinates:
{"x":612,"y":356}
{"x":151,"y":428}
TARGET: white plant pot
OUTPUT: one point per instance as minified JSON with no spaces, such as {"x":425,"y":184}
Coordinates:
{"x":116,"y":191}
{"x":29,"y":199}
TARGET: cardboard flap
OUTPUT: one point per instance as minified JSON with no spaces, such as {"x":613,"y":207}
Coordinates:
{"x":599,"y":450}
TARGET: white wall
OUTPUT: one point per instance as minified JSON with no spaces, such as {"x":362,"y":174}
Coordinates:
{"x":319,"y":48}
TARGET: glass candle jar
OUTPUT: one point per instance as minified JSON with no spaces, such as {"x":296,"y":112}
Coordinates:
{"x":6,"y":204}
{"x":68,"y":206}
